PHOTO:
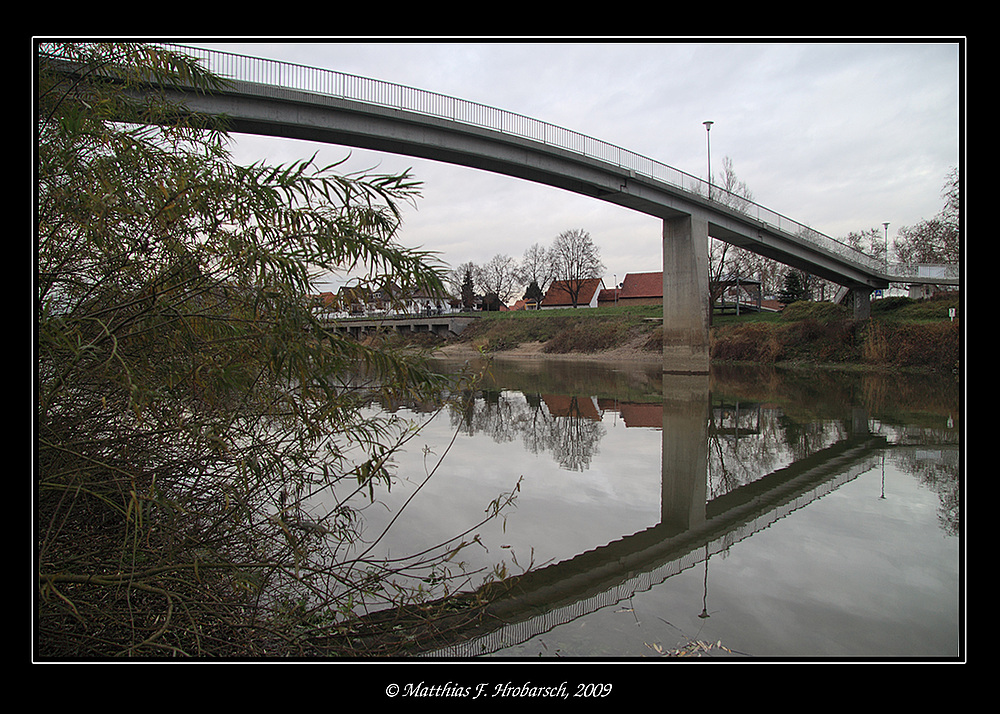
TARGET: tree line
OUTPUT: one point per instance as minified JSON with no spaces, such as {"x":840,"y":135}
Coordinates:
{"x":572,"y":259}
{"x":936,"y":241}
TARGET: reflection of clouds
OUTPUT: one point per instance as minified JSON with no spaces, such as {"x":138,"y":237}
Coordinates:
{"x":849,"y":562}
{"x":582,"y":449}
{"x":856,"y":567}
{"x":558,"y":511}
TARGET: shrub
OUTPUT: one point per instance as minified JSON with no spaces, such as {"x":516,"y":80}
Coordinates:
{"x":890,"y":304}
{"x":930,"y":345}
{"x":876,"y":345}
{"x":817,"y":311}
{"x":748,"y":342}
{"x":585,"y":337}
{"x":820,"y":341}
{"x":185,"y":419}
{"x":934,"y":345}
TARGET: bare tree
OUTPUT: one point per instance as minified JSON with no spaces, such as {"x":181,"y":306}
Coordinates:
{"x":536,"y":267}
{"x":575,"y":259}
{"x":726,"y":261}
{"x":735,"y":193}
{"x":499,"y":277}
{"x":937,"y":240}
{"x":870,"y":242}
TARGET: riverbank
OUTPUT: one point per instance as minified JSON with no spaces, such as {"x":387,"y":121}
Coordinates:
{"x":634,"y":350}
{"x":901,"y":334}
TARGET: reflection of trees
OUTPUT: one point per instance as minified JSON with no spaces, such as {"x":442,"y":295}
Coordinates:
{"x":937,"y":469}
{"x":748,"y":441}
{"x":565,"y":432}
{"x":931,"y":454}
{"x":735,"y":447}
{"x":488,"y":411}
{"x":945,"y":482}
{"x":745,"y":441}
{"x":573,"y":438}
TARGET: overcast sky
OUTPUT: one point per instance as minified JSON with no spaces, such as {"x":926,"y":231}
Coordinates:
{"x":841,"y":135}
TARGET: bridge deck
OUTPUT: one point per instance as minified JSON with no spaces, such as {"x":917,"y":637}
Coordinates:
{"x":280,"y":99}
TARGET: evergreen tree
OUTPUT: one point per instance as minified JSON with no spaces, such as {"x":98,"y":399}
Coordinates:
{"x":468,"y":291}
{"x":793,"y":289}
{"x":534,"y":292}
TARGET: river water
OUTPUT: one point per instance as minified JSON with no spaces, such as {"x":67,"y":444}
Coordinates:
{"x":760,"y":513}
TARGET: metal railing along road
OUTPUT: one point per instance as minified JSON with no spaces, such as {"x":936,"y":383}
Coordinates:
{"x":256,"y":70}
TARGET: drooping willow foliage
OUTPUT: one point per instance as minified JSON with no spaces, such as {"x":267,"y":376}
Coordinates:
{"x":189,"y":404}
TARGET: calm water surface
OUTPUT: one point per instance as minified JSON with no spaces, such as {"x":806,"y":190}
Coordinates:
{"x":781,"y":514}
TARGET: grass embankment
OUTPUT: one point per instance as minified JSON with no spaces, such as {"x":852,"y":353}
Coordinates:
{"x":902,"y":333}
{"x":580,"y":331}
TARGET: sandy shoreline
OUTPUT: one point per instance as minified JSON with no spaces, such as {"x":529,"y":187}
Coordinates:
{"x":535,"y":350}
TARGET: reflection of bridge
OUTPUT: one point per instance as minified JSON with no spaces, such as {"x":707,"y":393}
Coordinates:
{"x":691,"y":527}
{"x":280,"y":99}
{"x":544,"y":598}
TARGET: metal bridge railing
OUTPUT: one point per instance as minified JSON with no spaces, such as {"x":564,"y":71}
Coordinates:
{"x":924,"y":271}
{"x":261,"y":71}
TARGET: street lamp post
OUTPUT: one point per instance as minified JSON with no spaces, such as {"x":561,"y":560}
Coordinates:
{"x":708,"y":140}
{"x":886,"y":226}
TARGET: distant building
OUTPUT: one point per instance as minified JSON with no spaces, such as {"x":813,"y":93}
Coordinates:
{"x":607,"y":296}
{"x":636,"y":289}
{"x":560,"y":405}
{"x":922,"y":291}
{"x":733,"y":291}
{"x":642,"y":289}
{"x":647,"y":289}
{"x":560,"y":294}
{"x":358,"y":301}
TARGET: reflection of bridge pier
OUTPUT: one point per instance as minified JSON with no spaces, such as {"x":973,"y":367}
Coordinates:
{"x":685,"y":450}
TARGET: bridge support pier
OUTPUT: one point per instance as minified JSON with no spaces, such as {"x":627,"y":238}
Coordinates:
{"x":861,"y":300}
{"x":685,"y":295}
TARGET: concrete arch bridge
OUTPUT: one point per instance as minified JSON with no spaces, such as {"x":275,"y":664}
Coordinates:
{"x":280,"y":99}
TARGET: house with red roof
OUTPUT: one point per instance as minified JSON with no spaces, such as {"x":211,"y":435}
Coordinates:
{"x":642,"y":289}
{"x":647,"y":289}
{"x":562,"y":405}
{"x":560,"y":294}
{"x":636,"y":289}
